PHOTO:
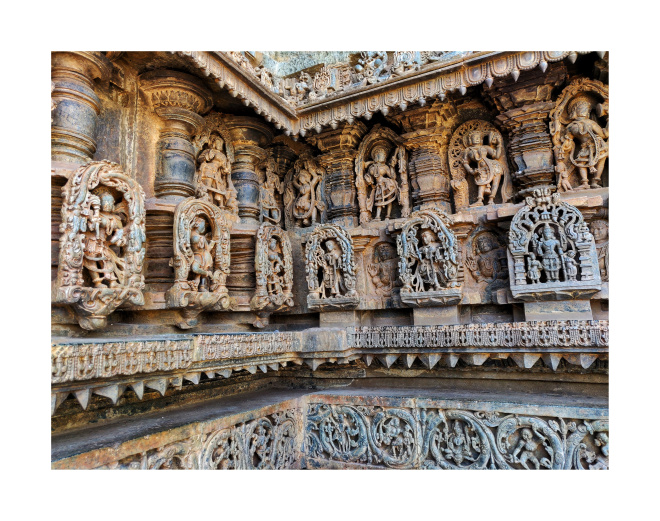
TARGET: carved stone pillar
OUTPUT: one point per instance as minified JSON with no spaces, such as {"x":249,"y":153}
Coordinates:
{"x":77,"y":106}
{"x":249,"y":137}
{"x":339,"y":148}
{"x":525,"y":107}
{"x":427,"y":134}
{"x":178,"y":99}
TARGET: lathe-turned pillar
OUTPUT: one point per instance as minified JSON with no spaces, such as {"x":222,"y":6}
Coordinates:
{"x":249,"y":137}
{"x":178,"y":99}
{"x":427,"y":133}
{"x":339,"y":148}
{"x":77,"y":106}
{"x":525,"y":106}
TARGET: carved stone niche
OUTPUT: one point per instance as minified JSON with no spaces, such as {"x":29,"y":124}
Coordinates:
{"x":303,"y":189}
{"x":330,"y":266}
{"x":381,"y":176}
{"x":428,"y":260}
{"x":478,"y":166}
{"x":486,"y":261}
{"x":102,"y":243}
{"x":579,"y":126}
{"x":274,"y":270}
{"x":551,"y":254}
{"x":201,"y":260}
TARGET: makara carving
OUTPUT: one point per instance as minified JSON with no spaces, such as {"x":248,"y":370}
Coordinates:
{"x":274,"y":270}
{"x":579,"y":126}
{"x":303,"y":202}
{"x":201,"y":260}
{"x":428,"y":260}
{"x":376,"y":180}
{"x":551,"y":251}
{"x":476,"y":152}
{"x":330,"y":266}
{"x":102,"y":243}
{"x":486,"y":261}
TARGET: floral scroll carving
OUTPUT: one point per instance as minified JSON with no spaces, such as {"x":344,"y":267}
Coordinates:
{"x":102,"y":243}
{"x":551,"y":253}
{"x":201,"y":260}
{"x":579,"y":126}
{"x":303,"y":202}
{"x":428,"y":265}
{"x":330,"y":266}
{"x":476,"y":153}
{"x":378,"y":185}
{"x":274,"y":270}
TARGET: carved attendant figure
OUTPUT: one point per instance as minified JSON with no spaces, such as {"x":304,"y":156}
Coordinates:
{"x":534,"y":269}
{"x":270,"y":209}
{"x":276,"y":267}
{"x":331,"y":274}
{"x":482,"y":162}
{"x":215,"y":174}
{"x":202,"y":262}
{"x":551,"y":253}
{"x":302,"y":197}
{"x":570,"y":265}
{"x":382,"y":178}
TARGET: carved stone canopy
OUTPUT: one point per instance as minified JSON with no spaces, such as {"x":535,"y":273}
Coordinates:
{"x":201,"y":260}
{"x":428,"y":265}
{"x":274,"y":270}
{"x":551,"y":254}
{"x":102,"y":243}
{"x":330,"y":266}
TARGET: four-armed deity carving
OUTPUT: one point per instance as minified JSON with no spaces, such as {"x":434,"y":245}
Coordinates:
{"x":330,"y":266}
{"x":551,"y":252}
{"x":579,"y":126}
{"x":378,"y":186}
{"x":274,"y":270}
{"x":476,"y":152}
{"x":102,"y":243}
{"x":303,"y":202}
{"x":428,"y":260}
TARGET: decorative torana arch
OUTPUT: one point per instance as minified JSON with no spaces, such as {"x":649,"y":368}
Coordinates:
{"x":274,"y":270}
{"x":330,"y":266}
{"x":201,"y":260}
{"x":102,"y":243}
{"x":428,"y":265}
{"x":552,"y":254}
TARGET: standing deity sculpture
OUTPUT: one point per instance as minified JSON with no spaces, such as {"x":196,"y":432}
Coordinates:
{"x":330,"y":266}
{"x":270,"y":185}
{"x":551,"y":251}
{"x":102,"y":243}
{"x":428,"y":265}
{"x":600,"y":230}
{"x":274,"y":270}
{"x":486,"y":261}
{"x":579,"y":125}
{"x":476,"y":152}
{"x":303,"y":204}
{"x":378,"y":186}
{"x":201,"y":260}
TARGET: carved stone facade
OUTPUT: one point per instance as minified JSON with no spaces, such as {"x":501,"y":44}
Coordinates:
{"x":229,"y":225}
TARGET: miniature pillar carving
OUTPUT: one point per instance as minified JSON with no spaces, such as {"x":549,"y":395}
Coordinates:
{"x":339,"y":148}
{"x":178,"y":99}
{"x":75,"y":115}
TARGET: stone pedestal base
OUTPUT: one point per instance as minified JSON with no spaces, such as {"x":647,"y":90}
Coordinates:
{"x":562,"y":310}
{"x":438,"y":316}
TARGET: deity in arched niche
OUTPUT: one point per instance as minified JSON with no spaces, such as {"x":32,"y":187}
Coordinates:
{"x":549,"y":249}
{"x":214,"y":175}
{"x":332,"y":281}
{"x":203,"y":276}
{"x":382,"y":178}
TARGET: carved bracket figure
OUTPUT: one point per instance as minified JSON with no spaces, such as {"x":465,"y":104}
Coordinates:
{"x":303,"y":203}
{"x":274,"y":270}
{"x":102,"y":243}
{"x":551,"y":253}
{"x":201,"y":260}
{"x":376,"y":179}
{"x":330,"y":266}
{"x":476,"y":154}
{"x":579,"y":126}
{"x":428,"y":265}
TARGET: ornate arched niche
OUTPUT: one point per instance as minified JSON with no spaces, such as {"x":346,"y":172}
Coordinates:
{"x":478,"y":166}
{"x":551,"y":254}
{"x":330,"y":266}
{"x":303,"y":193}
{"x":381,"y":176}
{"x":102,"y":243}
{"x":201,"y":260}
{"x":428,"y":260}
{"x":579,"y":126}
{"x":274,"y":270}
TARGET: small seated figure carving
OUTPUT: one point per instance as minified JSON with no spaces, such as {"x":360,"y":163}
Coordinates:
{"x":563,"y":184}
{"x":482,"y":162}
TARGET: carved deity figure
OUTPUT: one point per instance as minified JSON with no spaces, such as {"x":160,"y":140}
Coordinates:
{"x":302,"y":196}
{"x":332,"y":280}
{"x":273,"y":268}
{"x":549,"y":249}
{"x":214,"y":174}
{"x":600,"y":231}
{"x":202,"y":265}
{"x":381,"y":270}
{"x":481,"y":161}
{"x":270,"y":208}
{"x":489,"y":259}
{"x":381,"y":177}
{"x":534,"y":268}
{"x":570,"y":265}
{"x":459,"y":445}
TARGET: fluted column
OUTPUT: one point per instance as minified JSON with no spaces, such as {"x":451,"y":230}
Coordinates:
{"x":249,"y":136}
{"x":525,"y":107}
{"x":178,"y":99}
{"x":77,"y":106}
{"x":339,"y":148}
